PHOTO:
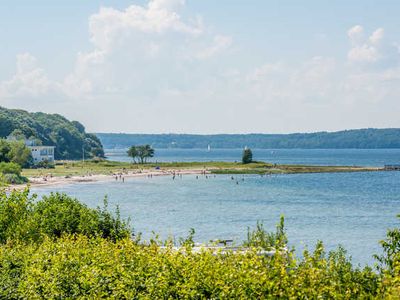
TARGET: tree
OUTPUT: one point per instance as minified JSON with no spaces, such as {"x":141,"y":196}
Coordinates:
{"x":141,"y":152}
{"x":16,"y":152}
{"x":97,"y":152}
{"x":390,"y":259}
{"x":133,"y":152}
{"x":4,"y":150}
{"x":51,"y":130}
{"x":20,"y":154}
{"x":148,"y":152}
{"x":18,"y":135}
{"x":247,"y":156}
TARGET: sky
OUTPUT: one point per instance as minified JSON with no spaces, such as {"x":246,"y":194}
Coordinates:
{"x":204,"y":66}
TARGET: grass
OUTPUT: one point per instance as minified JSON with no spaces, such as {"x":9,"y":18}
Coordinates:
{"x":78,"y":168}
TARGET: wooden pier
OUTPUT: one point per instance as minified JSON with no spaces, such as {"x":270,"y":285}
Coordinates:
{"x":392,"y":167}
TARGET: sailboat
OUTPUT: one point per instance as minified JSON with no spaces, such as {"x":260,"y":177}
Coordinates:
{"x":208,"y":148}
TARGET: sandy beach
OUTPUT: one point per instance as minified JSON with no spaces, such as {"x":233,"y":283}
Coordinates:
{"x":49,"y":180}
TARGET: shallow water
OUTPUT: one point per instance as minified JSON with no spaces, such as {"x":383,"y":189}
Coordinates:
{"x":352,"y":209}
{"x":348,"y":157}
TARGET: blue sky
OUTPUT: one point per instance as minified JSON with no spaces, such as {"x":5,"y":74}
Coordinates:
{"x":204,"y":66}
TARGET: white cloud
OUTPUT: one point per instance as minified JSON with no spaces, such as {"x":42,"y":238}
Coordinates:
{"x":220,"y":44}
{"x":365,"y":50}
{"x":110,"y":26}
{"x":166,"y":4}
{"x":29,"y":79}
{"x":140,"y":46}
{"x":377,"y":36}
{"x":355,"y":33}
{"x":363,"y":53}
{"x":152,"y":69}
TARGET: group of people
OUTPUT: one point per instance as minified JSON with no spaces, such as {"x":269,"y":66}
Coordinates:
{"x":119,"y":177}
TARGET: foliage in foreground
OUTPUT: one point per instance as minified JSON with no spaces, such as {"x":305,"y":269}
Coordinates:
{"x":25,"y":219}
{"x":74,"y":264}
{"x":260,"y":238}
{"x":82,"y":267}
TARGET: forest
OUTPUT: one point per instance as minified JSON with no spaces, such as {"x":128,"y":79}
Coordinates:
{"x":358,"y":138}
{"x":69,"y":137}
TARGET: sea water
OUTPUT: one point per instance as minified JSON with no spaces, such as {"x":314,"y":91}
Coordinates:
{"x":349,"y":209}
{"x":332,"y":157}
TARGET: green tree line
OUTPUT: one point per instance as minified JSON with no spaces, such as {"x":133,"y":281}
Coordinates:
{"x":359,"y":138}
{"x":69,"y":137}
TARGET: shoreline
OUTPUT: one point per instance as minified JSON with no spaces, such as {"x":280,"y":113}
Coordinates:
{"x":44,"y":181}
{"x":78,"y":172}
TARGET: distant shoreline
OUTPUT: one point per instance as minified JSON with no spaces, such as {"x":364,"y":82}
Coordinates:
{"x":367,"y":138}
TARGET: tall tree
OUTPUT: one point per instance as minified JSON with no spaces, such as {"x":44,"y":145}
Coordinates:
{"x":133,"y":152}
{"x":141,"y":152}
{"x":148,"y":151}
{"x":4,"y":150}
{"x":247,"y":156}
{"x":20,"y":154}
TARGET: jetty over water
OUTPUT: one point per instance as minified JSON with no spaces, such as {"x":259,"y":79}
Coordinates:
{"x":392,"y":167}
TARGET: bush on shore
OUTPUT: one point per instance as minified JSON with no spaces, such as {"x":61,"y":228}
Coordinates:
{"x":24,"y":219}
{"x":10,"y":173}
{"x":59,"y":248}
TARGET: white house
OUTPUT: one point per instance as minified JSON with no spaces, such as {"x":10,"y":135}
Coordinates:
{"x":39,"y":153}
{"x":42,"y":153}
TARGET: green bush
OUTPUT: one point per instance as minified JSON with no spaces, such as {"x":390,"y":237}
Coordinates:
{"x":93,"y":268}
{"x":13,"y":179}
{"x":259,"y":237}
{"x":23,"y":218}
{"x":10,"y":168}
{"x":44,"y":164}
{"x":10,"y":173}
{"x":57,"y":248}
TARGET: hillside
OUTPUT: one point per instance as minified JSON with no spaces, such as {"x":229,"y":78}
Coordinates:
{"x":69,"y":137}
{"x":359,"y":138}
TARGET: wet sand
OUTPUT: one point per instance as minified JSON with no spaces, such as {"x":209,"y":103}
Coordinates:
{"x":62,"y":180}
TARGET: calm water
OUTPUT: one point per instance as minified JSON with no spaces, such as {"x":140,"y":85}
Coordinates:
{"x":352,"y":209}
{"x":358,"y":157}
